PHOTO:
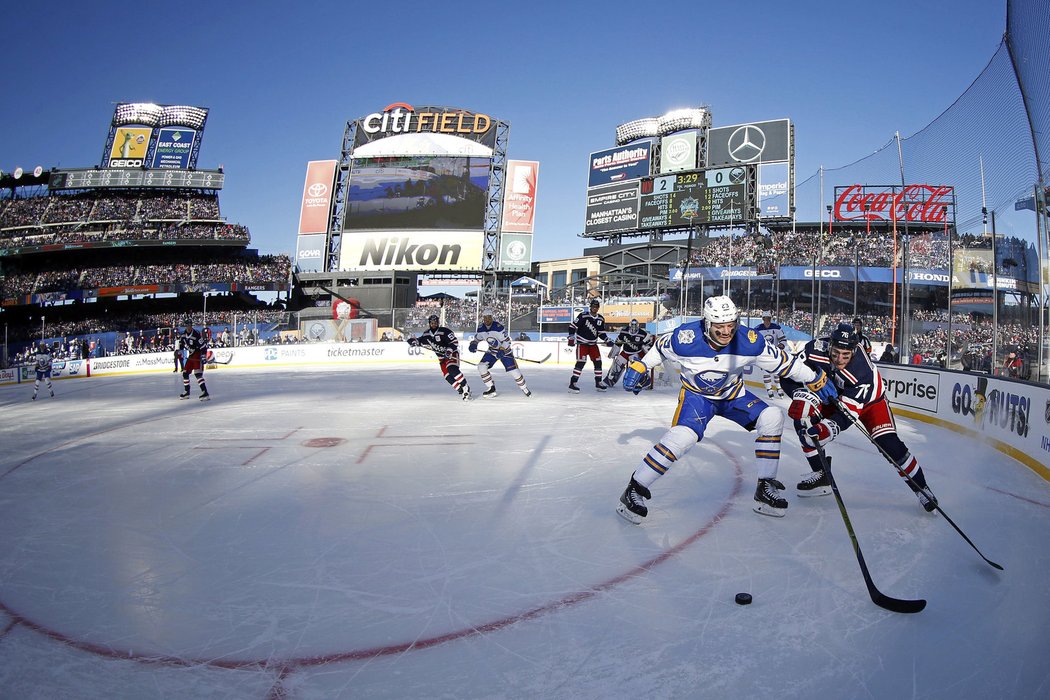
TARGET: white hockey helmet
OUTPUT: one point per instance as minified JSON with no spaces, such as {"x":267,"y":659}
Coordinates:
{"x":487,"y":313}
{"x":719,"y":309}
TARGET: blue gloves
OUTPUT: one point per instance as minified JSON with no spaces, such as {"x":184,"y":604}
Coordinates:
{"x":473,"y":347}
{"x":823,"y":387}
{"x":632,"y":378}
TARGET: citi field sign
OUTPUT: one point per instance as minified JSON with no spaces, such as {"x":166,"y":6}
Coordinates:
{"x":402,"y":118}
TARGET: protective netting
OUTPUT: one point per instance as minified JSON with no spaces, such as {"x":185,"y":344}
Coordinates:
{"x":992,"y":145}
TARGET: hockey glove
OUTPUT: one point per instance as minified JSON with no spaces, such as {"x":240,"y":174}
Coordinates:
{"x":413,"y":342}
{"x":819,"y":435}
{"x":632,"y":379}
{"x":823,"y":387}
{"x":572,"y":342}
{"x":804,"y":404}
{"x":473,"y":347}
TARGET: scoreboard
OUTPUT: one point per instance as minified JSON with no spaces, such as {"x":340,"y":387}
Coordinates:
{"x":117,"y":177}
{"x":698,"y":197}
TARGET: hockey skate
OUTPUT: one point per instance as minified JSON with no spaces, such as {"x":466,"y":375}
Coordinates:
{"x":780,"y":393}
{"x":599,"y":385}
{"x":768,"y":500}
{"x":926,"y":499}
{"x":772,"y":393}
{"x":34,"y":397}
{"x":490,"y":392}
{"x":464,"y":394}
{"x":574,"y":388}
{"x":184,"y":395}
{"x":205,"y":396}
{"x":632,"y":506}
{"x":816,"y":483}
{"x":525,"y":390}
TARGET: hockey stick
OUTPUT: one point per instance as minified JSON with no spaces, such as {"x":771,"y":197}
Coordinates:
{"x":217,"y":361}
{"x":538,"y":362}
{"x":897,"y":605}
{"x":864,"y":431}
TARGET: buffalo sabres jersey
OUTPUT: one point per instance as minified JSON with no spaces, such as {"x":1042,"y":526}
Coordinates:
{"x":716,"y":373}
{"x":43,"y":361}
{"x":773,"y":334}
{"x":494,"y":336}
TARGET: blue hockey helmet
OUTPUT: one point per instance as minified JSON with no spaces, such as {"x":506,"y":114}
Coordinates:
{"x":844,"y":337}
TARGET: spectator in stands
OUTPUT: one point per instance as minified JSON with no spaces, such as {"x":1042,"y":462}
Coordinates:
{"x":888,"y":355}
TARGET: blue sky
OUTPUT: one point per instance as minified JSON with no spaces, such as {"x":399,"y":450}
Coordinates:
{"x":282,"y":80}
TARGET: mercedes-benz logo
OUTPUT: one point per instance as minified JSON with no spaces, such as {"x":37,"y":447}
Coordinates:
{"x":746,"y":143}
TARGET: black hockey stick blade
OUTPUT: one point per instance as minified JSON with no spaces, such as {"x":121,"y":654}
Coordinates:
{"x":884,"y":601}
{"x":538,"y":362}
{"x":937,"y":505}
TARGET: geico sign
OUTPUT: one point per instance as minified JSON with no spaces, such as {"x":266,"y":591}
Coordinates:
{"x":402,"y":118}
{"x":822,"y":273}
{"x":125,"y":163}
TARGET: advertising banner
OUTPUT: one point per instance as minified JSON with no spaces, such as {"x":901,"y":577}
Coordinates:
{"x":612,"y":208}
{"x":174,"y":148}
{"x":558,"y":314}
{"x":317,"y":197}
{"x":773,"y":184}
{"x":411,"y":250}
{"x":515,"y":252}
{"x":933,"y":204}
{"x":757,"y":142}
{"x":310,"y":252}
{"x":519,"y":200}
{"x":628,"y":162}
{"x":129,"y":147}
{"x":678,"y":152}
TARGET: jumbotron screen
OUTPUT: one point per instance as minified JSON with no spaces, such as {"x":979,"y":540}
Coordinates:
{"x":417,"y":192}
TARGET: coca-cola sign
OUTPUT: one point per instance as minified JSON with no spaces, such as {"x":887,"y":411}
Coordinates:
{"x":920,"y":203}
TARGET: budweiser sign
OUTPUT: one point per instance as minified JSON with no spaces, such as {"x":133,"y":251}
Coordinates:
{"x":925,"y":203}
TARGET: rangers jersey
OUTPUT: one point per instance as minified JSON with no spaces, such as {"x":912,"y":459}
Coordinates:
{"x":717,"y":373}
{"x":588,"y":329}
{"x":859,"y":382}
{"x":635,"y":342}
{"x":441,"y":340}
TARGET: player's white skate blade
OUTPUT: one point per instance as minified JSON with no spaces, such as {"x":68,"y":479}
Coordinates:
{"x":627,"y":515}
{"x":765,"y":509}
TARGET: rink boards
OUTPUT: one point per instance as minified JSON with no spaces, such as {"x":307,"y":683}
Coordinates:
{"x":1015,"y":419}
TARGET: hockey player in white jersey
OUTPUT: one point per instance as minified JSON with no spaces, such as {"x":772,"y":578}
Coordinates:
{"x":492,"y":337}
{"x":774,"y":336}
{"x":42,"y":365}
{"x":713,"y":354}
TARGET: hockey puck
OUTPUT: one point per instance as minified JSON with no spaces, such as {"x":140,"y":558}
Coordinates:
{"x":743,"y":599}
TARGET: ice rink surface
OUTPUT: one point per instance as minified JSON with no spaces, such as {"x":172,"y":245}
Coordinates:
{"x":363,"y":533}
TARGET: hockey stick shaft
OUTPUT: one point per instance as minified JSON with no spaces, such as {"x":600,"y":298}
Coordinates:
{"x":878,"y":597}
{"x":860,"y":426}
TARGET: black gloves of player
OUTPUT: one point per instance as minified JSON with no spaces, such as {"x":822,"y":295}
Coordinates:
{"x":473,"y":347}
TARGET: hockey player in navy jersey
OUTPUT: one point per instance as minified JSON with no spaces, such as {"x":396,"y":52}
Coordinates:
{"x":774,"y":335}
{"x":584,"y":334}
{"x":195,"y":347}
{"x":862,"y":393}
{"x":42,"y":364}
{"x":712,"y":354}
{"x":443,"y":342}
{"x":493,"y":338}
{"x":633,"y":342}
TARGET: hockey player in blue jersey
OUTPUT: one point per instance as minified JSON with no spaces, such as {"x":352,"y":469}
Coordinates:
{"x":492,"y":336}
{"x":443,"y":342}
{"x":42,"y":364}
{"x":712,"y":354}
